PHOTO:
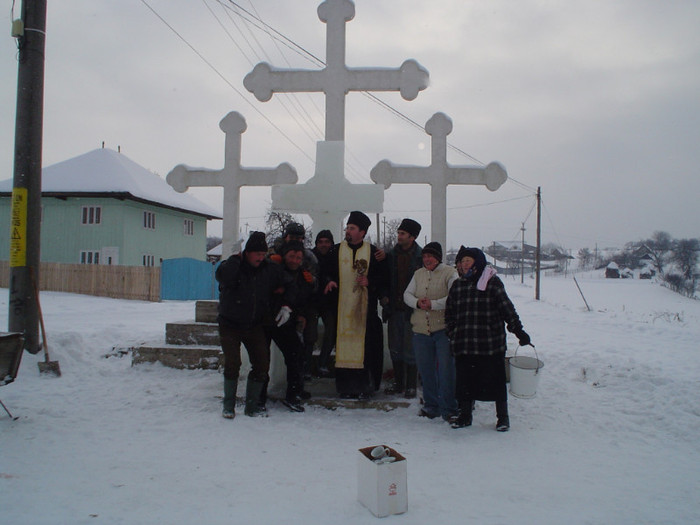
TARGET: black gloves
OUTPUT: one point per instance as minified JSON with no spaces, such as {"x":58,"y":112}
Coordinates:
{"x":523,"y":338}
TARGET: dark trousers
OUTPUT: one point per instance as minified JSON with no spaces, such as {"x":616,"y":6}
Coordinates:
{"x":257,"y":346}
{"x":287,"y":340}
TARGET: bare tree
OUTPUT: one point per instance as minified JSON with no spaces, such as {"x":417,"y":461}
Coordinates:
{"x":686,"y":255}
{"x":658,"y":247}
{"x":585,"y":257}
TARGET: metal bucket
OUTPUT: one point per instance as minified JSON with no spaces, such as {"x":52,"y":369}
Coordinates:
{"x":524,"y":375}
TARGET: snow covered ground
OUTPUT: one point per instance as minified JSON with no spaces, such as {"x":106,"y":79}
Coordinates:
{"x":610,"y":437}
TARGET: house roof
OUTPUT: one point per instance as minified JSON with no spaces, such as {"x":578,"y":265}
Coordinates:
{"x":106,"y":173}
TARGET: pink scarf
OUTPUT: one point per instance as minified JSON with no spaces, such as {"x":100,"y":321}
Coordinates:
{"x":489,"y":271}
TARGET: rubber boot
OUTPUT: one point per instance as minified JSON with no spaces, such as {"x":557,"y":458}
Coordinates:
{"x":502,"y":419}
{"x":253,"y":391}
{"x":230,"y":387}
{"x":464,"y":415}
{"x":397,"y":386}
{"x":411,"y":381}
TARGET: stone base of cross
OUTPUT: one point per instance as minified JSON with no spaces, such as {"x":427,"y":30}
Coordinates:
{"x":439,"y":175}
{"x":328,"y":197}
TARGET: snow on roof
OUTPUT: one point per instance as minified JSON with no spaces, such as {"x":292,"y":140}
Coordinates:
{"x":106,"y":171}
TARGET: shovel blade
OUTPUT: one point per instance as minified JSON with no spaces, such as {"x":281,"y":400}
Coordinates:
{"x":49,"y":367}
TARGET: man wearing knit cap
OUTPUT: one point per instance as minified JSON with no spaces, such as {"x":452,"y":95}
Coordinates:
{"x":247,"y":285}
{"x":427,"y":295}
{"x":324,"y":305}
{"x":403,"y":260}
{"x":359,"y":278}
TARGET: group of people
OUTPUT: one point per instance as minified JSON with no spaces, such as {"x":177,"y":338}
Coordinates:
{"x":446,"y":325}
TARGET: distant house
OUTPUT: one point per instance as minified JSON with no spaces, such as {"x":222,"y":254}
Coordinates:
{"x":103,"y":208}
{"x":612,"y":271}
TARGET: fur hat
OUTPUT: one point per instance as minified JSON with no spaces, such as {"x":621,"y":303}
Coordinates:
{"x":410,"y":226}
{"x":325,"y":234}
{"x":292,"y":246}
{"x":434,"y":249}
{"x":294,"y":228}
{"x":256,"y":242}
{"x":360,"y":220}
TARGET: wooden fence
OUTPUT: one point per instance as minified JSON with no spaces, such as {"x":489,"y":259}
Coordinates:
{"x":119,"y":282}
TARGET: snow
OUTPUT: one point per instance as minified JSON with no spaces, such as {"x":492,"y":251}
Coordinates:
{"x":107,"y":171}
{"x":610,"y":437}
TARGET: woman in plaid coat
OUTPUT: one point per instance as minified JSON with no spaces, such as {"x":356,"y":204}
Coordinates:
{"x":478,"y":311}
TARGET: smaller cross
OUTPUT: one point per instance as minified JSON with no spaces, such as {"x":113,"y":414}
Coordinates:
{"x":439,"y":175}
{"x":231,"y":178}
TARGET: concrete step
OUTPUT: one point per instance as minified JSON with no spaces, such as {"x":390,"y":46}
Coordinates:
{"x":189,"y":357}
{"x":206,"y":311}
{"x":192,"y":333}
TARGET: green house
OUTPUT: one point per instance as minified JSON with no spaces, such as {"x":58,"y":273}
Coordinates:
{"x":103,"y":208}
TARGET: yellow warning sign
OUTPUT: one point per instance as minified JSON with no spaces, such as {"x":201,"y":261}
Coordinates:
{"x":18,"y":228}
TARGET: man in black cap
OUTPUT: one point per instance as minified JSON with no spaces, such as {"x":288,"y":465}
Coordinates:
{"x":403,"y":260}
{"x":247,"y":285}
{"x":360,"y":280}
{"x":323,"y":306}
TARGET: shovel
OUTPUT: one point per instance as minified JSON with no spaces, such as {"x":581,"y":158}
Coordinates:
{"x":47,"y":367}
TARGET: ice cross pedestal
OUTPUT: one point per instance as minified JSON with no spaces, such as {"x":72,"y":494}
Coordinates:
{"x":439,"y":175}
{"x":231,"y":178}
{"x":328,"y":196}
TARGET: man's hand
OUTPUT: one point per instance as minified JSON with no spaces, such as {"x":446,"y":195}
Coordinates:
{"x":362,"y":280}
{"x":425,"y":304}
{"x":330,"y":287}
{"x":380,"y":255}
{"x":308,"y":277}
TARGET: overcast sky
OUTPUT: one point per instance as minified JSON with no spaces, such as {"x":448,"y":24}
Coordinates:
{"x":597,"y":103}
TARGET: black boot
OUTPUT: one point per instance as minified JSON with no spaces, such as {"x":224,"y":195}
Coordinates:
{"x":252,"y":398}
{"x":230,"y":386}
{"x":411,"y":381}
{"x":397,"y":387}
{"x":464,"y":415}
{"x":502,"y":420}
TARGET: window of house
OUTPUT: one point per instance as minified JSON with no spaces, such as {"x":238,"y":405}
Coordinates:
{"x":149,"y":260}
{"x":89,"y":257}
{"x":149,"y":220}
{"x":92,"y":215}
{"x":188,"y":227}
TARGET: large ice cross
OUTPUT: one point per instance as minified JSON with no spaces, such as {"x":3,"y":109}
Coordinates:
{"x":328,"y":196}
{"x":439,"y":175}
{"x":336,"y":79}
{"x":231,"y":178}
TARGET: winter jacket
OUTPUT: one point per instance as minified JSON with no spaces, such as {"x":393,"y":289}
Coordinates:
{"x":475,"y":319}
{"x":434,"y":285}
{"x":246,"y":293}
{"x":414,"y":261}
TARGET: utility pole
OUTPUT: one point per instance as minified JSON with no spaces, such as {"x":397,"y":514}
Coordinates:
{"x":539,"y":243}
{"x":30,"y":32}
{"x":522,"y":253}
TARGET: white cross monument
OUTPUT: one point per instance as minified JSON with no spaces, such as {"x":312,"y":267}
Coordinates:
{"x":231,"y":178}
{"x":328,"y":196}
{"x":439,"y":175}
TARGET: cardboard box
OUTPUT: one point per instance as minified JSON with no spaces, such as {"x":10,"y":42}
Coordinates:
{"x":382,"y":487}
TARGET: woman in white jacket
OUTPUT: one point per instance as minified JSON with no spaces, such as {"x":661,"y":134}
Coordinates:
{"x":427,"y":295}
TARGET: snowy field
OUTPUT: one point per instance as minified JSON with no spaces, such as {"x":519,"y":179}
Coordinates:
{"x":610,"y":437}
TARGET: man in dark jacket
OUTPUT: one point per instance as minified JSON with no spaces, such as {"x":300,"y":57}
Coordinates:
{"x":247,"y":285}
{"x":324,"y":306}
{"x":289,"y":336}
{"x":403,"y":260}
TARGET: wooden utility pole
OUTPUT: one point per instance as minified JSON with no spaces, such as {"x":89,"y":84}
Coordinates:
{"x":539,"y":243}
{"x":30,"y":32}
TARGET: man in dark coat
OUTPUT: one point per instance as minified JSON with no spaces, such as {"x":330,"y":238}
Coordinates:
{"x":324,"y":306}
{"x":360,"y":279}
{"x":403,"y":260}
{"x":248,"y":283}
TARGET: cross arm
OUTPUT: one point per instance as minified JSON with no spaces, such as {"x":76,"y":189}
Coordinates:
{"x":182,"y":177}
{"x":265,"y":80}
{"x":409,"y":79}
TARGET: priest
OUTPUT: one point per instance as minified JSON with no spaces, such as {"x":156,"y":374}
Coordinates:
{"x":358,"y":274}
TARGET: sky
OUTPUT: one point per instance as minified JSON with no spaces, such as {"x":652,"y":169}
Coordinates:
{"x":596,"y":103}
